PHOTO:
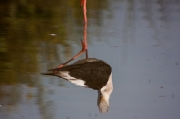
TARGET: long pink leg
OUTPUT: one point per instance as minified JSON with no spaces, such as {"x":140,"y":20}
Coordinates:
{"x":85,"y":39}
{"x":82,"y":50}
{"x":83,"y":43}
{"x":84,"y":47}
{"x":83,"y":3}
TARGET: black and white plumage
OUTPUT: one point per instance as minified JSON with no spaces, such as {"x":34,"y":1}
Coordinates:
{"x":92,"y":73}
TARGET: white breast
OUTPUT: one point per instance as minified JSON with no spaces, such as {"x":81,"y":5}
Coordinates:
{"x":78,"y":82}
{"x":65,"y":75}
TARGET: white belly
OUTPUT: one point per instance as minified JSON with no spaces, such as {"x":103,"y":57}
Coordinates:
{"x":65,"y":75}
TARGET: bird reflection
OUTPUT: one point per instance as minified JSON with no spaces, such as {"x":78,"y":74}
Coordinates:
{"x":89,"y":72}
{"x":92,"y":73}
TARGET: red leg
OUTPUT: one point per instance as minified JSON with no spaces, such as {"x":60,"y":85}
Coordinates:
{"x":82,"y":50}
{"x":83,"y":3}
{"x":85,"y":39}
{"x":83,"y":43}
{"x":84,"y":10}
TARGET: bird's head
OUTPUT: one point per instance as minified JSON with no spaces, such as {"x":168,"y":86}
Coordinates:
{"x":104,"y":95}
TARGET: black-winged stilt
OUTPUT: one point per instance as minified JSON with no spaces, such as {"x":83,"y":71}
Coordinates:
{"x":92,"y":73}
{"x":89,"y":72}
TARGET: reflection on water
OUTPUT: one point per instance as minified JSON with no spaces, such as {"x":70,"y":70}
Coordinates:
{"x":30,"y":33}
{"x":92,"y":73}
{"x":36,"y":35}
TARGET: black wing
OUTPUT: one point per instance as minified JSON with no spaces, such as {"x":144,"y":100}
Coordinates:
{"x":95,"y":74}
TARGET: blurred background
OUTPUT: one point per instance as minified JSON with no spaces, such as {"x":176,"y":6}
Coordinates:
{"x":140,"y":39}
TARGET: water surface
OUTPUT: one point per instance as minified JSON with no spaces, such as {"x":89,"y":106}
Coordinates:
{"x":139,"y":39}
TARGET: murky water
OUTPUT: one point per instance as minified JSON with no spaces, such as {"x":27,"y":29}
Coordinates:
{"x":139,"y":39}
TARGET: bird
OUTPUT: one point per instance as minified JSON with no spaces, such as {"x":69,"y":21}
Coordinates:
{"x":91,"y":73}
